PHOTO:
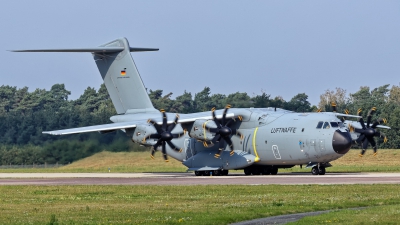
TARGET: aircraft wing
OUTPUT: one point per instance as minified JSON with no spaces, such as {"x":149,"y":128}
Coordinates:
{"x":132,"y":123}
{"x":357,"y":125}
{"x":100,"y":128}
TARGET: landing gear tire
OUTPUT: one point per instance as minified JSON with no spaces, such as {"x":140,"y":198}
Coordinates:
{"x":206,"y":173}
{"x":315,"y":170}
{"x":225,"y":172}
{"x":247,"y":171}
{"x":217,"y":172}
{"x":266,"y":171}
{"x":274,"y":170}
{"x":255,"y":171}
{"x":321,"y":171}
{"x":198,"y":173}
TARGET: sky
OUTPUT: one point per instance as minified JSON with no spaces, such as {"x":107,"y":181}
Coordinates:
{"x":278,"y":47}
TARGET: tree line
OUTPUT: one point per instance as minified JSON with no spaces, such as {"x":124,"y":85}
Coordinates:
{"x":24,"y":115}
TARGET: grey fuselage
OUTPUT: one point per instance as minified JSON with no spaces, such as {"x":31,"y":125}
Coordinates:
{"x":275,"y":136}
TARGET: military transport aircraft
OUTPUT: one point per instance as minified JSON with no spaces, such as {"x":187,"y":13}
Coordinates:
{"x":258,"y":140}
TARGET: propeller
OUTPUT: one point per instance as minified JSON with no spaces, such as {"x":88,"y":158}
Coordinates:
{"x":368,"y":132}
{"x":223,"y":132}
{"x":164,"y":135}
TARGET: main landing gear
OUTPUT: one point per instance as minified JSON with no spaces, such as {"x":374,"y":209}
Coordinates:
{"x":211,"y":172}
{"x":261,"y":170}
{"x":318,"y":170}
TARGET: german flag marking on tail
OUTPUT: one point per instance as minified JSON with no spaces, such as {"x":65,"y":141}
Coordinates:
{"x":123,"y":72}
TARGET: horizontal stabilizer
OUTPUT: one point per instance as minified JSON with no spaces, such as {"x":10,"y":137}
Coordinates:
{"x":94,"y":50}
{"x":134,"y":49}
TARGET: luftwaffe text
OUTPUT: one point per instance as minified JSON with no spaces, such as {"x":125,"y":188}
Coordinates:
{"x":284,"y":130}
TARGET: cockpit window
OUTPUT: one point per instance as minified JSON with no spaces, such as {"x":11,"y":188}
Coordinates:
{"x":334,"y":124}
{"x":326,"y":125}
{"x":320,"y":123}
{"x":341,"y":125}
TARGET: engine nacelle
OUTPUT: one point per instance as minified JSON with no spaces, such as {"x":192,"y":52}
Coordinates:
{"x":200,"y":132}
{"x":142,"y":131}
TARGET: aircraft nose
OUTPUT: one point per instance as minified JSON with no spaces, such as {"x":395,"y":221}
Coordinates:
{"x":341,"y":142}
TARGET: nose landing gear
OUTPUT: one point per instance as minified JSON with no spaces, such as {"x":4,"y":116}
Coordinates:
{"x":318,"y":168}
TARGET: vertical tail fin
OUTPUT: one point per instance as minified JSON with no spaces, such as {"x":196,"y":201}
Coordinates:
{"x":119,"y":73}
{"x":122,"y":78}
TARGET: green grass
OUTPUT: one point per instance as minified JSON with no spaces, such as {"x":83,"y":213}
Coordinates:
{"x":204,"y":204}
{"x":388,"y":214}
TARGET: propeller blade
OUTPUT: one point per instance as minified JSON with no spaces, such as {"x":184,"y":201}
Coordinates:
{"x":164,"y":121}
{"x":155,"y":125}
{"x":220,"y":149}
{"x":157,"y":144}
{"x":178,"y":135}
{"x":378,"y":122}
{"x":365,"y":144}
{"x":237,"y":133}
{"x":373,"y":144}
{"x":369,"y":116}
{"x":361,"y":131}
{"x":216,"y":138}
{"x":381,"y":135}
{"x":152,"y":152}
{"x":224,"y":114}
{"x":359,"y":111}
{"x":228,"y":123}
{"x":213,"y":130}
{"x":171,"y":145}
{"x":151,"y":136}
{"x":164,"y":152}
{"x":333,"y":104}
{"x":172,"y":126}
{"x":384,"y":138}
{"x":205,"y":144}
{"x":361,"y":120}
{"x":360,"y":139}
{"x":229,"y":142}
{"x":215,"y":118}
{"x":154,"y":136}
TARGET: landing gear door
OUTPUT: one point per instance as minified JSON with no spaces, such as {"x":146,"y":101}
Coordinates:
{"x":190,"y":147}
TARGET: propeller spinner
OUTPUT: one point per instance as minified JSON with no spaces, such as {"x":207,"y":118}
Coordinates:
{"x":223,"y":132}
{"x":164,"y":135}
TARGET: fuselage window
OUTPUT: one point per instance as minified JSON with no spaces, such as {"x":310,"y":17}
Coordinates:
{"x":326,"y":125}
{"x":319,"y":126}
{"x":334,"y":124}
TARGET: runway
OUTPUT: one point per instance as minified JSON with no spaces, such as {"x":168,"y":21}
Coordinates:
{"x":191,"y":179}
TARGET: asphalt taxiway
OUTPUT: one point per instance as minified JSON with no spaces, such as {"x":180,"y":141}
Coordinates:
{"x":191,"y":179}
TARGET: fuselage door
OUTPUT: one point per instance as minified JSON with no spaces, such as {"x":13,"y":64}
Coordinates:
{"x":275,"y":150}
{"x":322,"y":145}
